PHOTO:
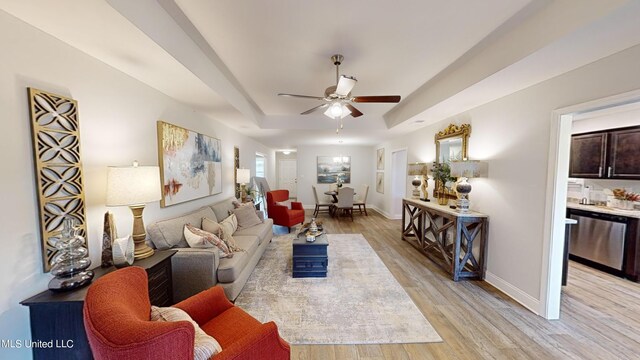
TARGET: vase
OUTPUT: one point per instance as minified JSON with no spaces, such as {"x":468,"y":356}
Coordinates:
{"x":442,"y":197}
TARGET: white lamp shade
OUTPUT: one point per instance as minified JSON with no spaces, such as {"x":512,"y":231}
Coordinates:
{"x":243,"y":176}
{"x":133,"y":185}
{"x":468,"y":169}
{"x":417,"y":169}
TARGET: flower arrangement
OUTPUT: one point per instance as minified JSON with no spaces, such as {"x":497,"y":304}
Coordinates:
{"x":442,"y":172}
{"x":621,"y":194}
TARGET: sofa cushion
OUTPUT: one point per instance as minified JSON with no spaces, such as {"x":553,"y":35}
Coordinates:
{"x":223,"y":208}
{"x":261,"y":230}
{"x":230,"y":268}
{"x":231,"y":325}
{"x":246,"y":216}
{"x":205,"y":345}
{"x":168,"y":233}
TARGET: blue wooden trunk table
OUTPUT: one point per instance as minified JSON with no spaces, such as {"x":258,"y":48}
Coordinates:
{"x":310,"y":258}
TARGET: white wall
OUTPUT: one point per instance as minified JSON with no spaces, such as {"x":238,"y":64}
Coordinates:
{"x":362,"y":165}
{"x":117,"y":125}
{"x":512,"y":135}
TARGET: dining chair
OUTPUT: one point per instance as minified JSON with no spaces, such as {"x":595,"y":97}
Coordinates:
{"x":361,"y":203}
{"x":320,"y":205}
{"x":345,"y":202}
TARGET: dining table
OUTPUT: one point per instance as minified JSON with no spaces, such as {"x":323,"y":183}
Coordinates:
{"x":334,"y":195}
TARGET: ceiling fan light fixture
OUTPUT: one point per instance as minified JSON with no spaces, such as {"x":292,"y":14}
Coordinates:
{"x":336,"y":110}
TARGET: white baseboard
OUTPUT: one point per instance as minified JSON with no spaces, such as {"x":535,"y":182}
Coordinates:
{"x":513,"y":292}
{"x":384,"y":213}
{"x":372,"y":207}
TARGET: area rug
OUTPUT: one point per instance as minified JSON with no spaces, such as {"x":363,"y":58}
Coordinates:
{"x":359,"y":302}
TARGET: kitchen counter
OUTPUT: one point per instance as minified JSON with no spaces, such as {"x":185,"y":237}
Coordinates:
{"x":605,"y":210}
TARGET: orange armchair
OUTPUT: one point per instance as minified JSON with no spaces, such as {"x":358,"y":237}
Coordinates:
{"x":117,"y":312}
{"x":281,"y":214}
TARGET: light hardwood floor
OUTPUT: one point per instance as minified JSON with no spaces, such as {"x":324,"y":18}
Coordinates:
{"x":600,"y":313}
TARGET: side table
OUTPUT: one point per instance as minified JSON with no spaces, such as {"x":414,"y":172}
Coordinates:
{"x":310,"y":258}
{"x":57,"y":316}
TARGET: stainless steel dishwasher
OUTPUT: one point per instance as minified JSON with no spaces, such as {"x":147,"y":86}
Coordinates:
{"x":599,"y":238}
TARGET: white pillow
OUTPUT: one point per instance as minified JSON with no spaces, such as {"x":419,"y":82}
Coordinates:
{"x":198,"y":238}
{"x":205,"y":345}
{"x":229,"y":226}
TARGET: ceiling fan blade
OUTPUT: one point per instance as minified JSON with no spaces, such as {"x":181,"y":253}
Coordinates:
{"x":315,"y":109}
{"x":377,"y":99}
{"x":302,"y":96}
{"x":354,"y":112}
{"x":345,"y":85}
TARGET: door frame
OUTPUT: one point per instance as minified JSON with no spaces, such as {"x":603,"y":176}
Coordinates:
{"x":556,"y":196}
{"x":391,"y":187}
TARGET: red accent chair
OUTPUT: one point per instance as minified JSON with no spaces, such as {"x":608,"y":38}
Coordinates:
{"x":281,"y":214}
{"x":117,"y":321}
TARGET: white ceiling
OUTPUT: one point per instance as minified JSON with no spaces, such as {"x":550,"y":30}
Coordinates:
{"x":229,"y":58}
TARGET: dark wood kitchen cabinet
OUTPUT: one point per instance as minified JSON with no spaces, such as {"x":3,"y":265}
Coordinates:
{"x":610,"y":154}
{"x":624,"y":156}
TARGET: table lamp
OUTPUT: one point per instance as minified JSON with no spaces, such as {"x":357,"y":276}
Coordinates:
{"x":419,"y":171}
{"x":243,"y":176}
{"x":464,"y":170}
{"x":134,"y":186}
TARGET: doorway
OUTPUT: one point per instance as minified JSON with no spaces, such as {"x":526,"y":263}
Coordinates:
{"x":555,"y":213}
{"x":287,"y":176}
{"x":398,"y":181}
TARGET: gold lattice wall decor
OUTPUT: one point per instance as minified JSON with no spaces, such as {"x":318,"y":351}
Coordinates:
{"x":56,"y":143}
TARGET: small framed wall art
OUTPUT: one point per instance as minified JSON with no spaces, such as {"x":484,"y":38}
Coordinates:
{"x":380,"y":182}
{"x":380,"y":159}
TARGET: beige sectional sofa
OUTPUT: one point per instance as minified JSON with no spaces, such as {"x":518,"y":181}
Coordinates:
{"x":196,"y":269}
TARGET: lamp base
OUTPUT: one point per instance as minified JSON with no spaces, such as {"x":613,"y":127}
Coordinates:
{"x":463,"y":188}
{"x":141,"y":249}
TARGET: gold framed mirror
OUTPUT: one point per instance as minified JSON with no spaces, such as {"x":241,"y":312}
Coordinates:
{"x":452,"y":144}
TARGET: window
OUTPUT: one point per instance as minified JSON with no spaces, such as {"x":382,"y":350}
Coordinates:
{"x":260,"y":166}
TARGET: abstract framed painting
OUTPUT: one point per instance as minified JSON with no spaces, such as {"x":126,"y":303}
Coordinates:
{"x":380,"y":182}
{"x":380,"y":159}
{"x":330,"y":168}
{"x":190,"y":164}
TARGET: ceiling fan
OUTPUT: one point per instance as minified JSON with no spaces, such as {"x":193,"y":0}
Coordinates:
{"x":337,"y":98}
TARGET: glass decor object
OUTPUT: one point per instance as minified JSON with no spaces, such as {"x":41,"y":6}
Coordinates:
{"x":70,"y":264}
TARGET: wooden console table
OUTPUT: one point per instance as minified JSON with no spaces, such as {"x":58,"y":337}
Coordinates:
{"x":453,"y":239}
{"x":57,"y":316}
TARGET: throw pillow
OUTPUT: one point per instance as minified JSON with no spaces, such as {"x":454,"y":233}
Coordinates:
{"x":246,"y":216}
{"x":229,"y":226}
{"x":284,"y":203}
{"x":199,"y":238}
{"x":212,"y":226}
{"x":237,"y":204}
{"x":205,"y":345}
